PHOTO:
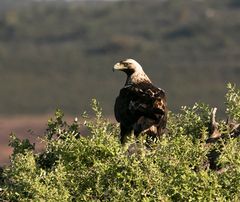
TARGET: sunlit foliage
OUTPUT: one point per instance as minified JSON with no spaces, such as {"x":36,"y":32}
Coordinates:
{"x":96,"y":167}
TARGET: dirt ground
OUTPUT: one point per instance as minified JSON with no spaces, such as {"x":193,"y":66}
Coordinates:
{"x":30,"y":127}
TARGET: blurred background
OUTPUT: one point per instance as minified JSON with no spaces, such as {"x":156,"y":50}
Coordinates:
{"x":60,"y":54}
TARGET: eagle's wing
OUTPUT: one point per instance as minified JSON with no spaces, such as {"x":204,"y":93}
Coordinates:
{"x":142,"y":100}
{"x":121,"y":107}
{"x":148,"y":101}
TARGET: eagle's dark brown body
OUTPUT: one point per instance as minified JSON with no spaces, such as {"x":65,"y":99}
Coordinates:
{"x":140,"y":106}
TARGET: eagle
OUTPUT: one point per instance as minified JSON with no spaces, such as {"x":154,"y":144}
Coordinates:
{"x":140,"y":106}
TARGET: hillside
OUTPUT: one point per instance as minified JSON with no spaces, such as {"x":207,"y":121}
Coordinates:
{"x":61,"y":54}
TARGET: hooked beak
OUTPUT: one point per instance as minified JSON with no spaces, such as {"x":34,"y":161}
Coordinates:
{"x":118,"y":66}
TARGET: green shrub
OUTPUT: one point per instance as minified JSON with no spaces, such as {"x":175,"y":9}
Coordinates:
{"x":96,"y":167}
{"x":233,"y":103}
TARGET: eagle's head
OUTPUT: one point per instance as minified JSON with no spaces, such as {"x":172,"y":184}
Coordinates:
{"x":133,"y":69}
{"x":129,"y":66}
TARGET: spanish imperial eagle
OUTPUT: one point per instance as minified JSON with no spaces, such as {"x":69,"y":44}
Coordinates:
{"x":140,"y":107}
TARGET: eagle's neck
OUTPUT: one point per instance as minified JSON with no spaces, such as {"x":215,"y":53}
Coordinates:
{"x":137,"y":77}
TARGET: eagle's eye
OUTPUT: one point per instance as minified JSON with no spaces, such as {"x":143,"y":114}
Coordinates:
{"x":126,"y":63}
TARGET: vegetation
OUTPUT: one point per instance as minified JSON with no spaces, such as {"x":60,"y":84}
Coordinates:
{"x":97,"y":168}
{"x":61,"y":54}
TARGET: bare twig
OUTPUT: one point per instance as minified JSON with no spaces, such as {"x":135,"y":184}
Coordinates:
{"x":213,"y":127}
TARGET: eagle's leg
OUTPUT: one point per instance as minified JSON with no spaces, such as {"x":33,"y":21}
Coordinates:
{"x":137,"y":130}
{"x":125,"y":132}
